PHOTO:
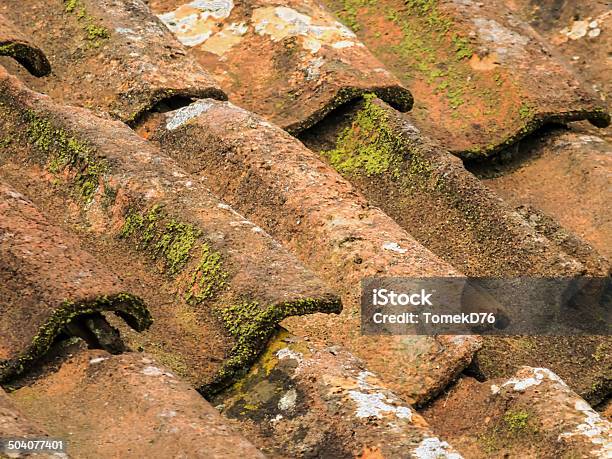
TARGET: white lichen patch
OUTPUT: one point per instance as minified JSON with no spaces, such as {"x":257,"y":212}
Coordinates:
{"x":596,"y":429}
{"x":98,"y":360}
{"x":288,"y":400}
{"x":286,"y":353}
{"x":195,"y":22}
{"x":532,"y":377}
{"x":221,"y":42}
{"x":585,"y":27}
{"x":394,"y":247}
{"x":343,"y":44}
{"x":375,"y":405}
{"x":281,"y":22}
{"x":155,"y":371}
{"x":434,"y":448}
{"x":505,"y":42}
{"x":179,"y":117}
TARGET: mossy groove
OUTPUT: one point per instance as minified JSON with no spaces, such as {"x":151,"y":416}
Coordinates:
{"x":369,"y":146}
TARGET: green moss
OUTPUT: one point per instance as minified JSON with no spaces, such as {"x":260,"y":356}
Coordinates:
{"x":94,"y":33}
{"x":66,"y":152}
{"x":208,"y":278}
{"x":369,"y":146}
{"x":516,"y":421}
{"x":348,"y":13}
{"x":463,"y":50}
{"x":71,"y":5}
{"x":162,"y":237}
{"x":128,"y":307}
{"x":9,"y":49}
{"x":526,"y":111}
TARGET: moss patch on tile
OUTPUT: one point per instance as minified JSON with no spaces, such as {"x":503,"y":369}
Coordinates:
{"x":370,"y":146}
{"x":94,"y":32}
{"x":66,"y":152}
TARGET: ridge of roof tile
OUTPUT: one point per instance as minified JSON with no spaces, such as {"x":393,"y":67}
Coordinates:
{"x":47,"y":282}
{"x":126,"y":189}
{"x":290,"y":61}
{"x":277,"y":182}
{"x":15,"y":44}
{"x":113,"y":56}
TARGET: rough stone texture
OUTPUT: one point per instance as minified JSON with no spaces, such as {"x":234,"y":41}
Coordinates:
{"x":274,"y":180}
{"x":448,"y":210}
{"x":111,"y":55}
{"x":46,"y":282}
{"x":128,"y":190}
{"x":128,"y":406}
{"x":16,"y":45}
{"x":532,"y":414}
{"x":566,"y":174}
{"x":581,"y":30}
{"x":481,"y":78}
{"x":290,"y":61}
{"x":431,"y":195}
{"x":306,"y":401}
{"x":14,"y":424}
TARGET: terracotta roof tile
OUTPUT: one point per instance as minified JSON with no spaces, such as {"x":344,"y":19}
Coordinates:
{"x":277,"y":182}
{"x":47,"y":282}
{"x":532,"y":414}
{"x":127,"y":189}
{"x":113,"y":56}
{"x":302,"y":400}
{"x":482,"y":78}
{"x":290,"y":61}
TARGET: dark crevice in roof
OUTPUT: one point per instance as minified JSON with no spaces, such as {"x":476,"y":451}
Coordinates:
{"x":14,"y":44}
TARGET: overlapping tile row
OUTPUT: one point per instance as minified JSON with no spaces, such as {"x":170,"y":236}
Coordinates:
{"x":113,"y":56}
{"x":430,"y":194}
{"x":16,"y":45}
{"x":284,"y":187}
{"x":302,"y":400}
{"x":290,"y":61}
{"x":448,"y":210}
{"x":532,"y":414}
{"x":49,"y":286}
{"x":125,"y":189}
{"x":481,"y":78}
{"x":126,"y":405}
